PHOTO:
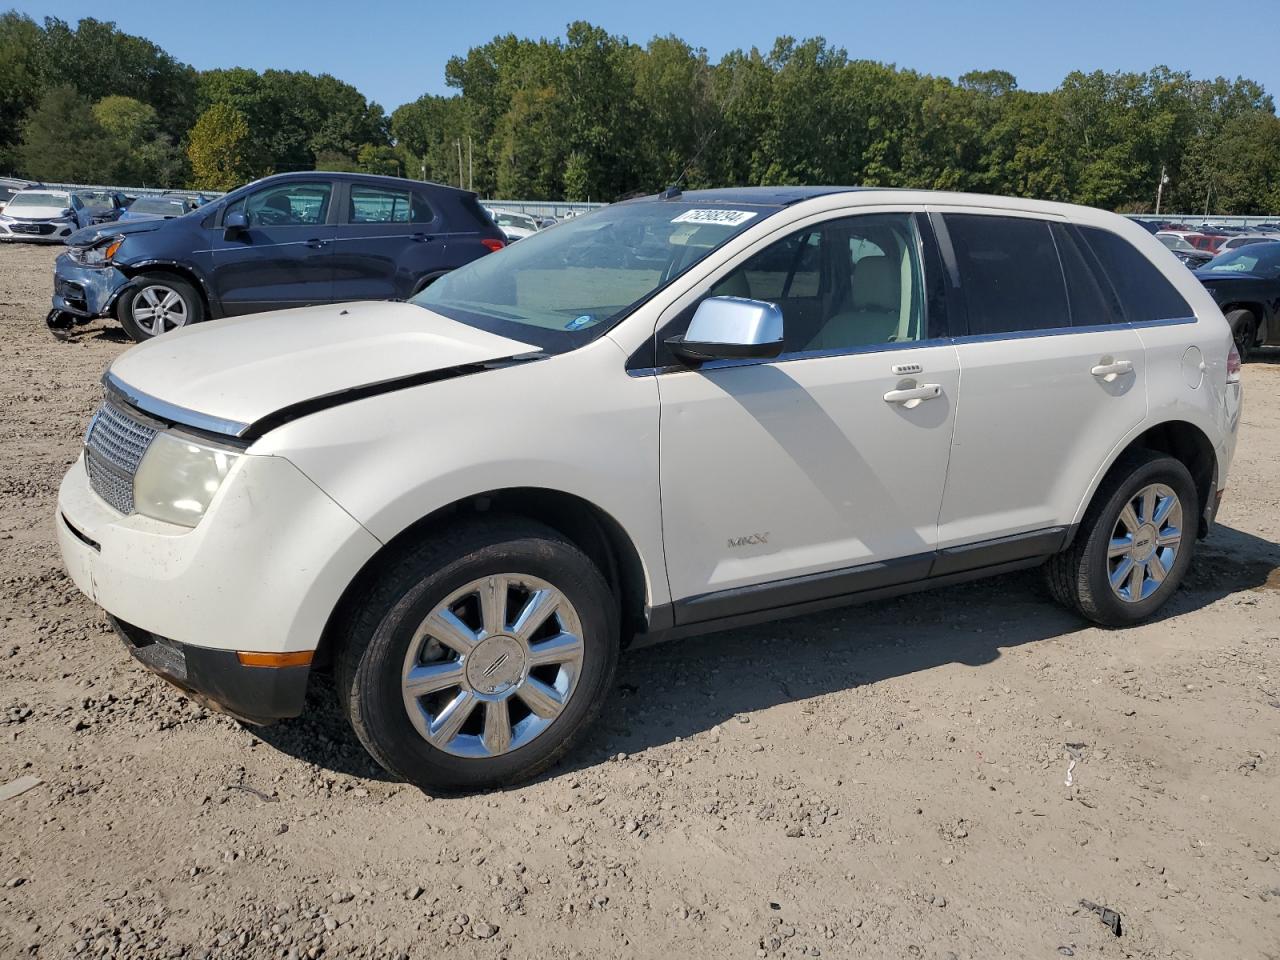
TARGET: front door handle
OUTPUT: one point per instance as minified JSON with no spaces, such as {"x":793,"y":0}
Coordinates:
{"x":1110,"y":369}
{"x":914,"y":395}
{"x":315,"y":243}
{"x":422,"y":237}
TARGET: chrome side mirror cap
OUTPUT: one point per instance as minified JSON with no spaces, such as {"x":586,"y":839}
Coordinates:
{"x":730,"y":328}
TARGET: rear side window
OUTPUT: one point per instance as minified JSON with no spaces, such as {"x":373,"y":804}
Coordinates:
{"x":374,"y":205}
{"x":1090,"y":298}
{"x":1144,"y":292}
{"x":1009,"y":274}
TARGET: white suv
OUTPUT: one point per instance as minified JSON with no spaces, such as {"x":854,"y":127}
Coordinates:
{"x":678,"y":414}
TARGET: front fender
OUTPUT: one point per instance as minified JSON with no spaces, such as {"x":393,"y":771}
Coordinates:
{"x":573,"y":424}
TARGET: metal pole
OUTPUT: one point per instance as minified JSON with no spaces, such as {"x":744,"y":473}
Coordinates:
{"x":458,"y":144}
{"x":1160,"y":189}
{"x":471,"y":169}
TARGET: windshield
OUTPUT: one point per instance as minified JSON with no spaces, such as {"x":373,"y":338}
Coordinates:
{"x":1174,"y":242}
{"x":96,"y":201}
{"x":1260,"y":258}
{"x":564,"y":287}
{"x":164,"y":208}
{"x":59,"y":200}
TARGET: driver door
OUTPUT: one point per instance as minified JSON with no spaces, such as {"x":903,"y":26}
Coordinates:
{"x":286,"y":256}
{"x":793,"y":480}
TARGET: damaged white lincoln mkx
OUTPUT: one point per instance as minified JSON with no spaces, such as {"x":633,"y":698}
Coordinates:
{"x":684,"y":413}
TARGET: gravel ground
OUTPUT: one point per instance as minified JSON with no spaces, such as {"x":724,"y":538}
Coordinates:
{"x":884,"y":781}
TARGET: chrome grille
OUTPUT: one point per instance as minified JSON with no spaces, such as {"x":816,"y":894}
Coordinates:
{"x":113,"y":447}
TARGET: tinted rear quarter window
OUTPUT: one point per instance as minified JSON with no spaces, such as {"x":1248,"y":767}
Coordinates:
{"x":1144,"y":292}
{"x":1009,"y":273}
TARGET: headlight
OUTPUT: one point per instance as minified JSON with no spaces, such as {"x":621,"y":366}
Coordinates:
{"x":178,"y":477}
{"x":99,"y":255}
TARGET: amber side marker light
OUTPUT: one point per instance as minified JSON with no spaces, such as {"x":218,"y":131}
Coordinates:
{"x":299,"y":658}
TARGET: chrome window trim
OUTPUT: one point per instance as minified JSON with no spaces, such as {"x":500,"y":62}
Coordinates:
{"x":911,"y":345}
{"x":171,"y":412}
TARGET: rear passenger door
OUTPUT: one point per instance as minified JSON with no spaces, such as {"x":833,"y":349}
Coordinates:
{"x":388,"y":241}
{"x":1052,"y":378}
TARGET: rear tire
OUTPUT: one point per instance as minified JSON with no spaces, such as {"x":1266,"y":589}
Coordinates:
{"x":1244,"y":330}
{"x":1114,"y":574}
{"x":424,"y":624}
{"x":157,"y":303}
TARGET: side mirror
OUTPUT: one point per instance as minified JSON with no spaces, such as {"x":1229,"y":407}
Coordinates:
{"x":730,"y":328}
{"x":234,"y":224}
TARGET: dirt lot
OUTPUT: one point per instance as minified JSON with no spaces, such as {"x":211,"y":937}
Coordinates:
{"x":885,"y":781}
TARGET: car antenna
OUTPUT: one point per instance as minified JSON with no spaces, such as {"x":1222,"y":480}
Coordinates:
{"x":670,"y":193}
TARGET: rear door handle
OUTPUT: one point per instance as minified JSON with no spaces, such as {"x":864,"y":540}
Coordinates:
{"x":422,"y":237}
{"x":1109,"y":371}
{"x":926,"y":391}
{"x":315,"y":243}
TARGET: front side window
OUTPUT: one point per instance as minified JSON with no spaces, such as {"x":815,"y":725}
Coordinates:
{"x":286,"y":205}
{"x":841,"y":285}
{"x":564,"y":287}
{"x":1010,"y":274}
{"x":375,"y":205}
{"x":1145,"y":293}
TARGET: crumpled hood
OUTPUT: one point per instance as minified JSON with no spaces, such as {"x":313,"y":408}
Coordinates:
{"x":88,"y":236}
{"x":244,"y":369}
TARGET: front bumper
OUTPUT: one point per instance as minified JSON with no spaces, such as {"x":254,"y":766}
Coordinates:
{"x":217,"y":678}
{"x":262,"y":572}
{"x":85,"y":292}
{"x":37,"y":231}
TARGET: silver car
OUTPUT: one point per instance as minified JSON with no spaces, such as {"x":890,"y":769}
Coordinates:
{"x":42,"y":215}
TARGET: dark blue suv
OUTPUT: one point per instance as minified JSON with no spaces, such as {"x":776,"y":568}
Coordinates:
{"x":290,"y":240}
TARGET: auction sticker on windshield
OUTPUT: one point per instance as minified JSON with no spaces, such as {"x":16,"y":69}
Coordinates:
{"x":729,"y":218}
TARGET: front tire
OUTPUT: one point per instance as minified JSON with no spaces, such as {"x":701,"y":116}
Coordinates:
{"x":1134,"y":544}
{"x":479,"y":657}
{"x":158,"y":303}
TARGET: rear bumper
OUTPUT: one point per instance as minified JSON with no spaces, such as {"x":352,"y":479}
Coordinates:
{"x":86,"y":292}
{"x":217,"y":678}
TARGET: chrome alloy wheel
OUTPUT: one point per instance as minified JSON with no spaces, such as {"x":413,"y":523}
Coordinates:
{"x":157,"y":309}
{"x":493,"y":665}
{"x":1145,"y":542}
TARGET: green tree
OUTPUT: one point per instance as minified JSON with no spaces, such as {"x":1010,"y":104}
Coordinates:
{"x":217,"y":149}
{"x":62,"y":142}
{"x":378,"y":158}
{"x":98,"y":59}
{"x":21,"y":79}
{"x":143,"y":154}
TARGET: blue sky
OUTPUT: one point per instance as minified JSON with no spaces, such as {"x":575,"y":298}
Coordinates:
{"x":395,"y":50}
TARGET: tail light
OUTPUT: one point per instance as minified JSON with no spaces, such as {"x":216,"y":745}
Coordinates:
{"x":1233,"y":365}
{"x":493,"y":245}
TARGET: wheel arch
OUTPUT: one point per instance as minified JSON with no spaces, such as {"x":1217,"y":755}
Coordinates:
{"x":427,"y":279}
{"x":135,"y":270}
{"x":1260,"y":333}
{"x":592,"y":529}
{"x":1185,"y":442}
